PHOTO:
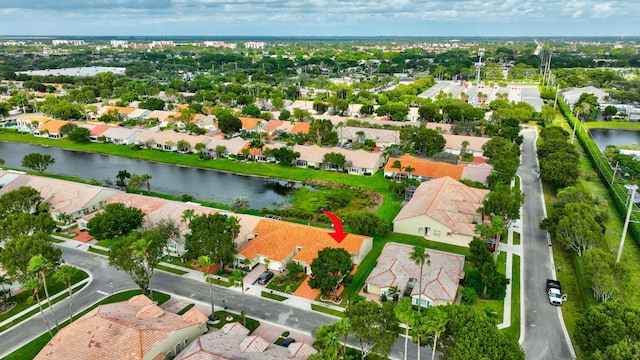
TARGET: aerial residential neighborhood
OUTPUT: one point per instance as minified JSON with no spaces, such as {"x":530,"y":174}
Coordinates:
{"x":267,"y":198}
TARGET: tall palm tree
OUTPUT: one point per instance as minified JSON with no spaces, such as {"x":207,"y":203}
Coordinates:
{"x":65,"y":273}
{"x":205,"y":267}
{"x":122,"y":177}
{"x":33,"y":284}
{"x":436,"y":321}
{"x":404,"y":313}
{"x":237,"y":279}
{"x":420,"y":256}
{"x":145,"y":178}
{"x":40,"y":265}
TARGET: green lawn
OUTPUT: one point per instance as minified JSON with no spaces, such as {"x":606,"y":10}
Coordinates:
{"x":271,"y":296}
{"x":170,"y":269}
{"x":31,"y":349}
{"x":99,"y":251}
{"x":326,"y":310}
{"x":291,"y":286}
{"x":514,"y":329}
{"x":252,"y":324}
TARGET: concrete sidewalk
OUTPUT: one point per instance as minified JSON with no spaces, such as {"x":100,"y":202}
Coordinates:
{"x":511,"y":250}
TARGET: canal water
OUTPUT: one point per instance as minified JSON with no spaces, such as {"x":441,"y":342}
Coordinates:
{"x":204,"y":185}
{"x":604,"y":137}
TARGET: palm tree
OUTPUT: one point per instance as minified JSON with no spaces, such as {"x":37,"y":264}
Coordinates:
{"x":237,"y":279}
{"x":145,"y":178}
{"x":420,"y":256}
{"x":33,"y":284}
{"x":122,"y":177}
{"x":205,"y":267}
{"x":40,"y":265}
{"x":404,"y":313}
{"x":65,"y":273}
{"x":436,"y":321}
{"x":187,"y":215}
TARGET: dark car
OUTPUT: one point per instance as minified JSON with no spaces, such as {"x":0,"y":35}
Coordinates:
{"x":288,"y":341}
{"x":264,"y":278}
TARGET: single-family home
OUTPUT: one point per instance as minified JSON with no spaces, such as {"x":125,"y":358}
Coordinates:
{"x":31,"y":122}
{"x":121,"y":135}
{"x":410,"y":167}
{"x":456,"y":144}
{"x":208,"y":123}
{"x":65,"y":198}
{"x":129,"y":330}
{"x":165,"y":117}
{"x":443,"y":210}
{"x":441,"y":275}
{"x":274,"y":127}
{"x":230,"y":146}
{"x":251,"y":124}
{"x":122,"y":112}
{"x":382,"y":137}
{"x":97,"y":132}
{"x":233,"y":341}
{"x":50,"y":129}
{"x":276,"y":243}
{"x":301,"y":127}
{"x":358,"y":162}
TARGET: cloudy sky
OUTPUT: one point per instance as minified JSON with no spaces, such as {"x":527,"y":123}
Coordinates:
{"x":320,"y":17}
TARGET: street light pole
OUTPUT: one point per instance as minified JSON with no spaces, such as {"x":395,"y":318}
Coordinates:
{"x":626,"y":221}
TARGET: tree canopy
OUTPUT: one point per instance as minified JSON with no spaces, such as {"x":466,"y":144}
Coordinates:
{"x":38,"y":162}
{"x":374,"y":326}
{"x":606,"y":326}
{"x":116,"y":220}
{"x":212,"y":235}
{"x":329,"y":269}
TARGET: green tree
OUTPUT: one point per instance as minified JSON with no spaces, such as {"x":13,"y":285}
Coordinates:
{"x":40,"y":265}
{"x":285,"y":156}
{"x":404,"y":313}
{"x":294,"y":269}
{"x":152,"y":103}
{"x":334,"y":160}
{"x":228,"y":123}
{"x":68,"y":128}
{"x":284,"y":115}
{"x":580,"y":231}
{"x":374,"y":326}
{"x":609,"y":279}
{"x":624,"y":350}
{"x":80,"y":135}
{"x":251,"y":110}
{"x":435,"y":322}
{"x":237,"y":279}
{"x":367,"y":223}
{"x":328,"y":339}
{"x":420,"y":256}
{"x":38,"y":162}
{"x":33,"y":284}
{"x":470,"y":334}
{"x":116,"y":220}
{"x":503,"y":201}
{"x":138,"y":254}
{"x":18,"y":252}
{"x":213,"y":235}
{"x":605,"y":325}
{"x":146,"y":179}
{"x":329,"y":269}
{"x":121,"y":178}
{"x":64,"y":274}
{"x":205,"y":266}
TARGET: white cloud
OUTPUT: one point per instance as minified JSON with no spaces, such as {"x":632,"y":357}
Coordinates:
{"x":309,"y":17}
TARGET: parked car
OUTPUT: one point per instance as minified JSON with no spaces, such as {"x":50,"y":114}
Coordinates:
{"x":264,"y":278}
{"x":288,"y":341}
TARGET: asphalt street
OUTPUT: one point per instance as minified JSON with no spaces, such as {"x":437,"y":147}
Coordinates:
{"x":544,"y":333}
{"x":107,"y":279}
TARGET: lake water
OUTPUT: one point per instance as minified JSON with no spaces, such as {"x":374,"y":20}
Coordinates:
{"x":604,"y":137}
{"x":204,"y":185}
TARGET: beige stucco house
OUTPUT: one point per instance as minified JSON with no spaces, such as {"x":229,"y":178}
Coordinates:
{"x":440,"y":277}
{"x":443,"y":210}
{"x":133,"y":329}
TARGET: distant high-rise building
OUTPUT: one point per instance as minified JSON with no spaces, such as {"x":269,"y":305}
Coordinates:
{"x":254,"y":45}
{"x":119,"y":43}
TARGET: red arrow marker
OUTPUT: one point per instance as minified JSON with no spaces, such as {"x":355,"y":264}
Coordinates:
{"x":339,"y":234}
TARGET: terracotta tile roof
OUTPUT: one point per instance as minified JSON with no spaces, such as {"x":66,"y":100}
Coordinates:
{"x":115,"y":331}
{"x":272,"y":125}
{"x":235,"y":328}
{"x":446,"y":201}
{"x":32,"y":118}
{"x":439,"y":279}
{"x":277,"y":240}
{"x":98,"y":130}
{"x":250,"y":123}
{"x":301,"y":127}
{"x":425,"y":167}
{"x":234,"y":145}
{"x":120,"y":109}
{"x":161,"y":115}
{"x":52,"y":126}
{"x":253,"y":344}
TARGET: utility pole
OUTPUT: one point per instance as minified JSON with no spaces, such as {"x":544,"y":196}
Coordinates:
{"x":626,"y":221}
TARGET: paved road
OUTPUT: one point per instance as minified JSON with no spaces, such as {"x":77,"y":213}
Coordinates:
{"x":104,"y":276}
{"x":544,"y":336}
